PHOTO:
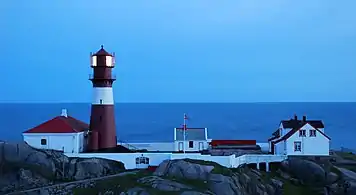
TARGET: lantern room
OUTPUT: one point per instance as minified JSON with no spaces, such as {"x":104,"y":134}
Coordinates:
{"x":102,"y":58}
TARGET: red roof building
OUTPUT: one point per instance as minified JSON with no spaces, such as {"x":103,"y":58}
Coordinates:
{"x":62,"y":133}
{"x":60,"y":124}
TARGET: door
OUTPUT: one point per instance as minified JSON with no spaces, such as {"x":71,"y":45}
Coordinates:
{"x":201,"y":146}
{"x":180,"y":146}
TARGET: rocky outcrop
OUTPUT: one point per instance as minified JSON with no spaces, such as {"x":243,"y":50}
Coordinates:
{"x":23,"y":167}
{"x":183,"y":169}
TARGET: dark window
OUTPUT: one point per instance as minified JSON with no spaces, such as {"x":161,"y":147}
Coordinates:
{"x":301,"y":133}
{"x":312,"y":133}
{"x":101,"y":101}
{"x":142,"y":160}
{"x":43,"y":142}
{"x":297,"y":146}
{"x":191,"y":145}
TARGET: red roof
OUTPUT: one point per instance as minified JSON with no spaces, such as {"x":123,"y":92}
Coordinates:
{"x":291,"y":132}
{"x":60,"y":124}
{"x":232,"y":142}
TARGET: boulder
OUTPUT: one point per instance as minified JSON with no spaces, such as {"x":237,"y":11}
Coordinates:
{"x":23,"y":167}
{"x":223,"y":185}
{"x":307,"y":171}
{"x":183,"y":169}
{"x":163,"y":184}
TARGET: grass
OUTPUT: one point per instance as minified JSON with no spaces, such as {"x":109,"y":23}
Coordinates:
{"x":288,"y":187}
{"x":120,"y":184}
{"x":346,"y":155}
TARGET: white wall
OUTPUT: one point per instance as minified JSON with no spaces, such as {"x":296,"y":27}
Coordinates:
{"x":195,"y":145}
{"x":55,"y":141}
{"x":264,"y":146}
{"x":318,"y":145}
{"x":129,"y":159}
{"x":158,"y":146}
{"x":279,"y":148}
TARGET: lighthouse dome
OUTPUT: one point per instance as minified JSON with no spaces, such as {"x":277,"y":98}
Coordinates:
{"x":102,"y":52}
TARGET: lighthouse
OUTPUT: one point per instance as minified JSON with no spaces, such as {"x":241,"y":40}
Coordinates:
{"x":102,"y":119}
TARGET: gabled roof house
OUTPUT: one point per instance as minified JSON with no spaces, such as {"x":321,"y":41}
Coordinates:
{"x":300,"y":137}
{"x":63,"y":133}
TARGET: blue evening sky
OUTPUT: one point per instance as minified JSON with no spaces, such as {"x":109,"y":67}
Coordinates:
{"x":180,"y":50}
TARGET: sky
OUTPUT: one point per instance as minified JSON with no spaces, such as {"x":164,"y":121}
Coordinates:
{"x":180,"y":50}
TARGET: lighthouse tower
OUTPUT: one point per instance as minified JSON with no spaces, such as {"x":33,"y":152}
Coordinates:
{"x":102,"y":120}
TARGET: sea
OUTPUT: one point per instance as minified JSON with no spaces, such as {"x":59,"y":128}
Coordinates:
{"x":154,"y":122}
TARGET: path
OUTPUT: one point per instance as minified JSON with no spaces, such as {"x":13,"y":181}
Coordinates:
{"x":72,"y":182}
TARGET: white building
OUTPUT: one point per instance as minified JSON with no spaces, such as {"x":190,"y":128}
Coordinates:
{"x":300,"y":137}
{"x":63,"y":133}
{"x":193,"y":140}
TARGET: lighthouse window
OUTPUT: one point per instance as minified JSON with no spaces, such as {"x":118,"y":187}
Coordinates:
{"x":101,"y":101}
{"x":43,"y":142}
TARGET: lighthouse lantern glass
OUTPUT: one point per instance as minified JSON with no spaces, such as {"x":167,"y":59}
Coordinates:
{"x":109,"y":61}
{"x":93,"y":61}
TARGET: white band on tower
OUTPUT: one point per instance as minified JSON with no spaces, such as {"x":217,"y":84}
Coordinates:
{"x":103,"y":96}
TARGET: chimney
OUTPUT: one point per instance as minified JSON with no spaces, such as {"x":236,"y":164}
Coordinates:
{"x":295,"y":117}
{"x":64,"y":113}
{"x":304,"y":118}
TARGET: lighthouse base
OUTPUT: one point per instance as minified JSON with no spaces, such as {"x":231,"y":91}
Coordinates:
{"x":102,"y":120}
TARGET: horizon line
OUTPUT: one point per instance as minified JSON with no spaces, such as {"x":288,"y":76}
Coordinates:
{"x":270,"y":102}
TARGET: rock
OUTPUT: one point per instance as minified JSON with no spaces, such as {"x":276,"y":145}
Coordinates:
{"x":23,"y":167}
{"x":223,"y":185}
{"x":192,"y":193}
{"x":183,"y":169}
{"x":93,"y":167}
{"x":277,"y":183}
{"x":136,"y":191}
{"x":163,"y":184}
{"x":332,"y":177}
{"x":307,"y":171}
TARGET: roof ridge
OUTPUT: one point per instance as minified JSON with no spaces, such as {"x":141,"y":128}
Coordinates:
{"x":62,"y":118}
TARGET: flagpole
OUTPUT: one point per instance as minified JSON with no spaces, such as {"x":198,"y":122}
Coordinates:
{"x":184,"y":128}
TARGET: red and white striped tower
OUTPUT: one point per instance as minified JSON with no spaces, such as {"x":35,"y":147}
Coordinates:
{"x":102,"y":119}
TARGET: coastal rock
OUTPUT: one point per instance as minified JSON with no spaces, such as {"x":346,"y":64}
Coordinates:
{"x":307,"y":171}
{"x":135,"y":191}
{"x":163,"y":184}
{"x":93,"y":167}
{"x":183,"y":169}
{"x":23,"y":167}
{"x":217,"y":182}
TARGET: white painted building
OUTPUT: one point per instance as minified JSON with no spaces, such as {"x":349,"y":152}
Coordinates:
{"x":300,"y":137}
{"x":63,"y":133}
{"x":191,"y":140}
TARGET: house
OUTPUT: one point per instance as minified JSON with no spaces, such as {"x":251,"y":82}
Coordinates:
{"x":300,"y":137}
{"x":193,"y":140}
{"x":63,"y":133}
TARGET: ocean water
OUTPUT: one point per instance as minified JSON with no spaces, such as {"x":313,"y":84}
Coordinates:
{"x":146,"y":122}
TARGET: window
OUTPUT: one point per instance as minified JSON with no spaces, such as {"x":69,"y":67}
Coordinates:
{"x":297,"y":146}
{"x":191,"y":144}
{"x":142,"y":160}
{"x":101,"y":101}
{"x":301,"y":133}
{"x":43,"y":142}
{"x":312,"y":133}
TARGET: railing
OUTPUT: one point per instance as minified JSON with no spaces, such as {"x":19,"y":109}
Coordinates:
{"x":248,"y":158}
{"x":128,"y":146}
{"x":108,"y":77}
